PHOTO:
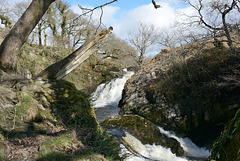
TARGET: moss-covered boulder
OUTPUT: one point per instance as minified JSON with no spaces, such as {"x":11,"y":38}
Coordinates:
{"x":227,"y":146}
{"x":144,"y":130}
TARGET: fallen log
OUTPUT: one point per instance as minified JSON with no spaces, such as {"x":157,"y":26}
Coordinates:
{"x":63,"y":67}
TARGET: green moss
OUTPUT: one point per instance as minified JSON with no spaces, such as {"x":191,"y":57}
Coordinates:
{"x":57,"y":143}
{"x":90,"y":156}
{"x":1,"y":137}
{"x":27,"y":101}
{"x":44,"y":115}
{"x":141,"y":128}
{"x":64,"y":157}
{"x":227,"y":147}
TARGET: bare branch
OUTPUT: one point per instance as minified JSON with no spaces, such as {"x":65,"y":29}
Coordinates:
{"x":100,"y":20}
{"x":91,"y":10}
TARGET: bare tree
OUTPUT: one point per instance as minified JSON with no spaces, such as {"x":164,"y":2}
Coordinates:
{"x":168,"y":38}
{"x":216,"y":8}
{"x":143,"y":40}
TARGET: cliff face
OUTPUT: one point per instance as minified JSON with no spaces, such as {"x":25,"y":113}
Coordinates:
{"x":191,"y":96}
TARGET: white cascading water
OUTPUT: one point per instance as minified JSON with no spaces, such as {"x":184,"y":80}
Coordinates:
{"x":159,"y":153}
{"x":111,"y":92}
{"x":107,"y":96}
{"x":105,"y":102}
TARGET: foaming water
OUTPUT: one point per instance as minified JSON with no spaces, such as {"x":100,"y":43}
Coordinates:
{"x":147,"y":152}
{"x":190,"y":149}
{"x":110,"y":93}
{"x":157,"y":152}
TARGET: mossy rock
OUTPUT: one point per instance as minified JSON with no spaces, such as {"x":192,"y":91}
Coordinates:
{"x":21,"y":118}
{"x":71,"y":105}
{"x":144,"y":130}
{"x":42,"y":127}
{"x":73,"y":108}
{"x":1,"y":137}
{"x":227,"y":147}
{"x":4,"y":150}
{"x":3,"y":147}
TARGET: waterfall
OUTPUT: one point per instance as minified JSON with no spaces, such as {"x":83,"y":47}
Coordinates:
{"x":107,"y":96}
{"x":105,"y":103}
{"x":110,"y":93}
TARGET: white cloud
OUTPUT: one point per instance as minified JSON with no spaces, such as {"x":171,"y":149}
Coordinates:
{"x":129,"y":20}
{"x":124,"y":21}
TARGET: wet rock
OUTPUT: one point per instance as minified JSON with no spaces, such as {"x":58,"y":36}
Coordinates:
{"x":143,"y":130}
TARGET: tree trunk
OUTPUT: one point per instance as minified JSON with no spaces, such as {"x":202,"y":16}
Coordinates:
{"x":45,"y":36}
{"x":20,"y":32}
{"x":61,"y":68}
{"x":40,"y":34}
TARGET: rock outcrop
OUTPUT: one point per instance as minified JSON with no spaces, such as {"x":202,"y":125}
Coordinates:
{"x":190,"y":96}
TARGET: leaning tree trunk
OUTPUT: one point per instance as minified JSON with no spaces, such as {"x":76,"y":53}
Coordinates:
{"x":20,"y":32}
{"x":61,"y":68}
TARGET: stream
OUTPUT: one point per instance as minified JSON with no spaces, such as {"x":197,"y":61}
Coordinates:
{"x":105,"y":103}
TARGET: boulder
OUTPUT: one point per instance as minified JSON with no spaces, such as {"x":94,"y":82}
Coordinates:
{"x":143,"y":130}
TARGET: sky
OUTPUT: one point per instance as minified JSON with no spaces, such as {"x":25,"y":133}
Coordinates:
{"x":125,"y":15}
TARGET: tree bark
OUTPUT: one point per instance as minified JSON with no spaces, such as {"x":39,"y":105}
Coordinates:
{"x":20,"y":32}
{"x":61,"y":68}
{"x":40,"y":34}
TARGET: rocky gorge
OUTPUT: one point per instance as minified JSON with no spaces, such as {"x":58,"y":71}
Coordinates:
{"x":191,"y":93}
